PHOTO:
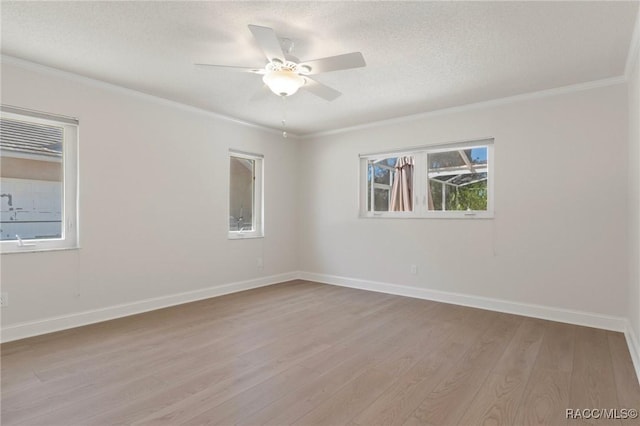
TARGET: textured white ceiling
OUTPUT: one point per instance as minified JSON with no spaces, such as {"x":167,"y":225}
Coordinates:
{"x":421,"y":56}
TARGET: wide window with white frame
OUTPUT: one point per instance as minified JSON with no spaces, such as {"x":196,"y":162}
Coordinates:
{"x":38,"y":181}
{"x":245,"y":195}
{"x":452,"y":180}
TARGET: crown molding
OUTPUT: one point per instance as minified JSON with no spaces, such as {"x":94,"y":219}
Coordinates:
{"x":474,"y":106}
{"x":397,"y":120}
{"x":44,"y":69}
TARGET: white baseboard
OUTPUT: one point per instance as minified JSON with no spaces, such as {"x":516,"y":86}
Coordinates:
{"x":634,"y":348}
{"x":48,"y":325}
{"x":535,"y":311}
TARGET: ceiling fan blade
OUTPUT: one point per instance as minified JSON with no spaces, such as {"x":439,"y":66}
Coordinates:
{"x":233,"y":68}
{"x":319,"y":89}
{"x":335,"y":63}
{"x":268,"y":42}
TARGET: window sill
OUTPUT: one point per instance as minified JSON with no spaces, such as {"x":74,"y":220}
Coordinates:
{"x":15,"y":250}
{"x":243,"y":236}
{"x":431,"y":215}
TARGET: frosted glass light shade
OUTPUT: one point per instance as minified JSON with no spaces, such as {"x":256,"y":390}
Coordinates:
{"x":283,"y":82}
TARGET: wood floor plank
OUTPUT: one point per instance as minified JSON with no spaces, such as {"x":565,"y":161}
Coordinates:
{"x":498,"y":400}
{"x":43,"y":398}
{"x":74,"y":413}
{"x":349,"y":400}
{"x":242,"y":405}
{"x":132,"y":332}
{"x":11,"y":384}
{"x":367,"y":336}
{"x":268,"y":361}
{"x":296,"y":404}
{"x":546,"y":399}
{"x":592,"y":380}
{"x":40,"y":401}
{"x":398,"y":355}
{"x":627,"y":389}
{"x":461,"y":384}
{"x":546,"y":395}
{"x":169,"y":401}
{"x":176,"y":401}
{"x":306,"y":353}
{"x":410,"y":389}
{"x":557,"y":348}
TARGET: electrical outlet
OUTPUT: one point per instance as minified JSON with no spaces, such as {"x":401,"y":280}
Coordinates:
{"x":4,"y":299}
{"x":413,"y":269}
{"x":260,"y":263}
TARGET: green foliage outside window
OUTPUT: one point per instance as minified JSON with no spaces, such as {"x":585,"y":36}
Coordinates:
{"x":468,"y":197}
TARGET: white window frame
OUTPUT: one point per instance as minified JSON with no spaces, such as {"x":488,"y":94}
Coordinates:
{"x":420,"y":172}
{"x":383,"y":186}
{"x":70,"y":229}
{"x":258,"y":191}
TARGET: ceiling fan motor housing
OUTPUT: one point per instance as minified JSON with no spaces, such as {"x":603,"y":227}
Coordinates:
{"x":277,"y":65}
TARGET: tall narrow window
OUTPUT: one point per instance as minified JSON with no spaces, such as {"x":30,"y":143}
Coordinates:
{"x":245,"y":195}
{"x":38,"y":181}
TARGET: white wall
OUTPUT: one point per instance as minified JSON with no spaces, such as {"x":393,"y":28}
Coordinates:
{"x":154,"y":212}
{"x":558,"y":238}
{"x":153,"y":202}
{"x":634,"y":198}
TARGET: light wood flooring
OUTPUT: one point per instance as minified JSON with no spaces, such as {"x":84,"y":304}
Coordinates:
{"x":311,"y":354}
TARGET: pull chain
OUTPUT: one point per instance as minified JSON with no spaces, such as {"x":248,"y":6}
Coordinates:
{"x":284,"y":116}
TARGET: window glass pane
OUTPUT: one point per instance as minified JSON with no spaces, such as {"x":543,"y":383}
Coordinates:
{"x":445,"y":160}
{"x":380,"y":176}
{"x":31,"y":180}
{"x":241,"y":194}
{"x":383,"y":170}
{"x":458,"y":179}
{"x":381,"y":199}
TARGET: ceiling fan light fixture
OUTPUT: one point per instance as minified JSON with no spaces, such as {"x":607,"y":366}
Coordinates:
{"x":283,"y":82}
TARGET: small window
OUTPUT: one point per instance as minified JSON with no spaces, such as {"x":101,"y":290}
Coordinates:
{"x":38,"y":181}
{"x":451,"y":180}
{"x":245,"y":195}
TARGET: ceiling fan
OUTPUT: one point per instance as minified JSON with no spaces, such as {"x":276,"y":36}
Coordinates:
{"x":285,"y":74}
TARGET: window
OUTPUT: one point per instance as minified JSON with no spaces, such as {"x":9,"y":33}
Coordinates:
{"x":387,"y":188}
{"x":38,"y":181}
{"x":452,"y":180}
{"x":245,"y":195}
